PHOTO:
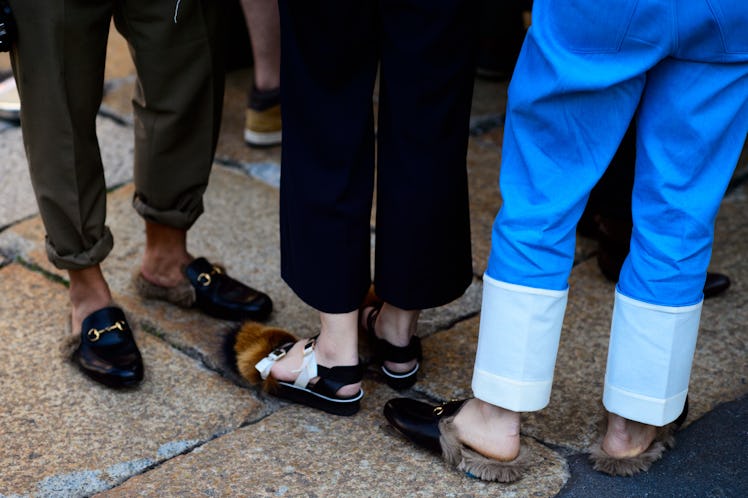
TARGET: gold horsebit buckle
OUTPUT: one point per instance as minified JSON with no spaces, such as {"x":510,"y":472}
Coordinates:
{"x":206,"y":278}
{"x":94,"y":334}
{"x":439,"y":410}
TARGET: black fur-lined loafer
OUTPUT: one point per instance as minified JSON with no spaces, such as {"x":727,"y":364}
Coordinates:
{"x":209,"y":289}
{"x":432,"y":427}
{"x":221,"y":296}
{"x":107,"y":352}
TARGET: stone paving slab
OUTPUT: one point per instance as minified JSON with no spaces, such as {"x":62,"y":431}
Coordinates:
{"x":298,"y":451}
{"x":62,"y":434}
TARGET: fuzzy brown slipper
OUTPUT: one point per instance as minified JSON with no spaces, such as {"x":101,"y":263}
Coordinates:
{"x":182,"y":295}
{"x":473,"y":463}
{"x":253,"y":342}
{"x":629,"y":466}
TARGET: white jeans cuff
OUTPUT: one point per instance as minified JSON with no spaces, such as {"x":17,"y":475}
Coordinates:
{"x":511,"y":394}
{"x":644,"y":409}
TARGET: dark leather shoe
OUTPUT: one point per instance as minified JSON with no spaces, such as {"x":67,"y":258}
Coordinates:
{"x":107,"y":352}
{"x":419,"y":421}
{"x":613,"y":247}
{"x":221,"y":296}
{"x":613,"y":239}
{"x":716,"y":284}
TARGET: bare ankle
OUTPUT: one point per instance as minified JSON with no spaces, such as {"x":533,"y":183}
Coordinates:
{"x":490,"y":430}
{"x":396,"y":325}
{"x":165,"y":255}
{"x":625,"y":437}
{"x":88,"y":292}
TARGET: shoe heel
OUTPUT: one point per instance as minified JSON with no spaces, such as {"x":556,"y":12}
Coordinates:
{"x":402,"y":381}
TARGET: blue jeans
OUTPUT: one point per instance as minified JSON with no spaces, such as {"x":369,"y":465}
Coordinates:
{"x":582,"y":73}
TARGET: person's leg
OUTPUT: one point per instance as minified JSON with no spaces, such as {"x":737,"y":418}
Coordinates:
{"x":607,"y":216}
{"x":329,"y":62}
{"x":263,"y":24}
{"x":566,"y":84}
{"x":177,"y":58}
{"x":177,"y":104}
{"x":681,"y":177}
{"x":426,"y":85}
{"x":172,"y":161}
{"x":263,"y":120}
{"x":59,"y":67}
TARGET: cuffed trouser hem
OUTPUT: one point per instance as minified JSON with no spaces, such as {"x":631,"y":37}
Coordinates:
{"x":511,"y":394}
{"x":174,"y":218}
{"x":520,"y":329}
{"x":81,"y":260}
{"x":644,"y":409}
{"x":649,"y":359}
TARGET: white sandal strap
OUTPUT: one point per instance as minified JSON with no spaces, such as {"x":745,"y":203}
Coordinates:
{"x":264,"y":365}
{"x":308,"y":369}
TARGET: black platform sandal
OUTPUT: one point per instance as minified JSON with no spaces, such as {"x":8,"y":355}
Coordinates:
{"x":322,"y":393}
{"x":385,"y":351}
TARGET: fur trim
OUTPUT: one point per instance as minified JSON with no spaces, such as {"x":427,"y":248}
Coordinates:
{"x":371,"y":298}
{"x":473,"y":463}
{"x":253,"y":342}
{"x":182,"y":295}
{"x":70,"y":342}
{"x":629,"y":466}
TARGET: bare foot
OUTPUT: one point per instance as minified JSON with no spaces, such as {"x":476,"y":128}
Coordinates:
{"x":88,"y":292}
{"x":336,"y":346}
{"x":488,"y":429}
{"x":626,"y":438}
{"x":396,"y":326}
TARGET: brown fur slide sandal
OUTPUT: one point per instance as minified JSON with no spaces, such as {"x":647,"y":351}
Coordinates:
{"x":629,"y":466}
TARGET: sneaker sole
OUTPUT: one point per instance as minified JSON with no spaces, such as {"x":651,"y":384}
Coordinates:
{"x":262,"y":139}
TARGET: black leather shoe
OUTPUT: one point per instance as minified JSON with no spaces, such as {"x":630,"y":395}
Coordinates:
{"x":221,"y":296}
{"x":716,"y":284}
{"x":107,"y":352}
{"x":419,"y":421}
{"x":613,"y":247}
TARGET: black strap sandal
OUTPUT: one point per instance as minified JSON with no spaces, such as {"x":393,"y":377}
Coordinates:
{"x":385,"y":351}
{"x":323,"y":393}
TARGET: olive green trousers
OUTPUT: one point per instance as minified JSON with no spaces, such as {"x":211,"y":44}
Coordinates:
{"x":58,"y":62}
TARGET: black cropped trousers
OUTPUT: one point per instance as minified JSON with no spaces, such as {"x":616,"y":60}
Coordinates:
{"x":331,"y":53}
